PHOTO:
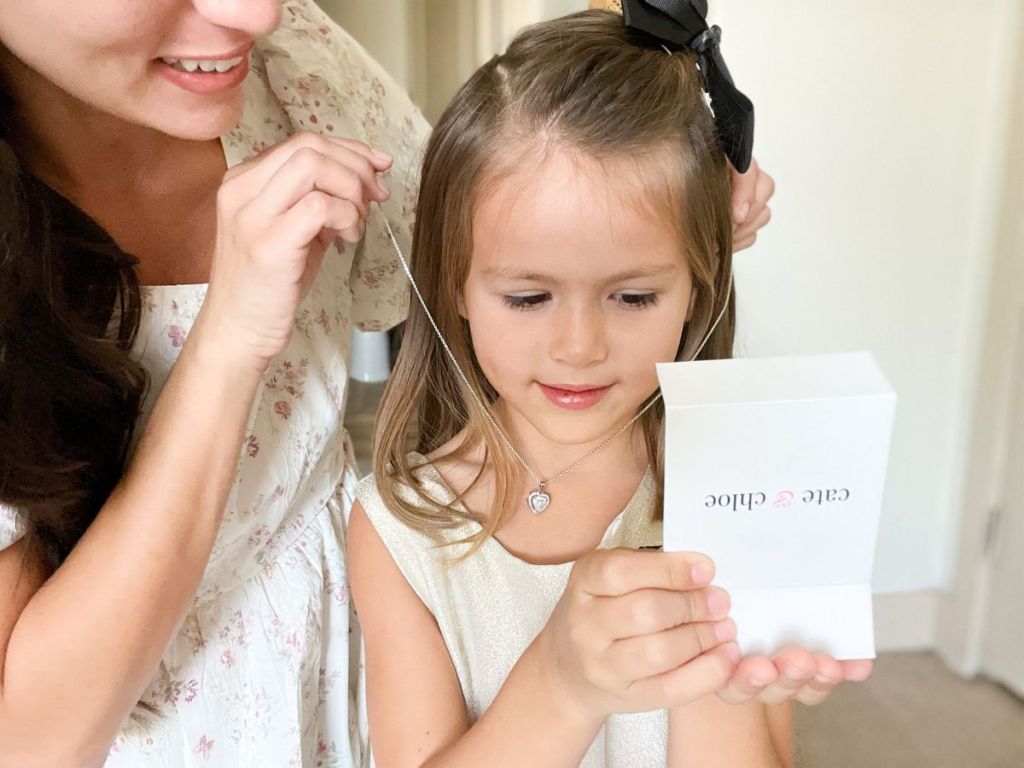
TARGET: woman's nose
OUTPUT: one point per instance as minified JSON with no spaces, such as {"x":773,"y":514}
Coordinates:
{"x":578,"y":337}
{"x":255,"y":17}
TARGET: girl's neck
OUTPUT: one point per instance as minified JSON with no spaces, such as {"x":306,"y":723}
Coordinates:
{"x":626,"y":453}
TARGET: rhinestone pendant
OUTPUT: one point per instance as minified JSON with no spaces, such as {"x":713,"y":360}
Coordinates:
{"x":538,"y":500}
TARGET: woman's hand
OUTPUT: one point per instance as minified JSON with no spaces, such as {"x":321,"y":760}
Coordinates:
{"x":794,"y":673}
{"x":276,"y":216}
{"x":751,"y":192}
{"x":637,"y":631}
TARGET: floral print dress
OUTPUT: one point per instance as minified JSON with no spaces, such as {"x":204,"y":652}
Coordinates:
{"x":259,"y":672}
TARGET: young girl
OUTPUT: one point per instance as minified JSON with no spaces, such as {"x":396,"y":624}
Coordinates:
{"x":572,"y":231}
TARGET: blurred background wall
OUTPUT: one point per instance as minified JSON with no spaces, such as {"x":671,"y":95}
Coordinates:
{"x":895,"y":133}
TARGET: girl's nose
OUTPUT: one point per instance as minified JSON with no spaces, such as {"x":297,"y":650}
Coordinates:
{"x":255,"y":17}
{"x":578,"y":337}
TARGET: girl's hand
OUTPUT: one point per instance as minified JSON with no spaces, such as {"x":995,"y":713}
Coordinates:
{"x":751,"y":192}
{"x":794,"y":673}
{"x":276,"y":216}
{"x":636,"y":631}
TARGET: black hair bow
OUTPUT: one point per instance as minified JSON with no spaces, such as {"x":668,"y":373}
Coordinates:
{"x":681,"y":24}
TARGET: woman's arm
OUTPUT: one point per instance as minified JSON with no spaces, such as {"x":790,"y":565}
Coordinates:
{"x":77,"y":651}
{"x":83,"y":645}
{"x":712,"y":734}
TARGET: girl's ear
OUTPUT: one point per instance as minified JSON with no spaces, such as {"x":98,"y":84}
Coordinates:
{"x":461,"y":304}
{"x":693,"y":303}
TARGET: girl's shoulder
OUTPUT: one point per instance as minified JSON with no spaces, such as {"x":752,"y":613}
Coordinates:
{"x":428,"y":488}
{"x":422,"y":550}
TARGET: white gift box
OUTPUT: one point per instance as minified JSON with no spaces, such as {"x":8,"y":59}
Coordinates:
{"x":775,"y":469}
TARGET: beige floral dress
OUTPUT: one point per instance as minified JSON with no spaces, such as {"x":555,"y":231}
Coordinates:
{"x":259,"y":672}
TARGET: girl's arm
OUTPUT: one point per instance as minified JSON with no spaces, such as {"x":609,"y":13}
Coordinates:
{"x":77,"y":651}
{"x":712,"y":734}
{"x":417,"y":711}
{"x":633,"y":632}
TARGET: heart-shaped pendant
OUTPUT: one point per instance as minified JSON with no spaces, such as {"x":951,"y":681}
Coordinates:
{"x":538,"y":501}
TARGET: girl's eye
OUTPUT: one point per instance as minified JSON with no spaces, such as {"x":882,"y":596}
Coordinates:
{"x":636,"y":300}
{"x":529,"y":301}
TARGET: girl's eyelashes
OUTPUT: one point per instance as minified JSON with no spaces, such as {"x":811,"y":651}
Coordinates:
{"x":636,"y":300}
{"x":625,"y":300}
{"x":528,"y":301}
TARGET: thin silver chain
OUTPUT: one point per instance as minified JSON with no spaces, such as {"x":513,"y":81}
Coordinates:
{"x":541,"y":483}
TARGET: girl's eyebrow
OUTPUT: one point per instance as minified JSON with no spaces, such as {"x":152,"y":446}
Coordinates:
{"x":516,"y":273}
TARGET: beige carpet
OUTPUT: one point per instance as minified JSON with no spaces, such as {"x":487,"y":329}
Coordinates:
{"x":913,"y":713}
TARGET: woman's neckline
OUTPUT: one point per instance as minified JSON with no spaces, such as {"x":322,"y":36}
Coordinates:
{"x":229,"y":162}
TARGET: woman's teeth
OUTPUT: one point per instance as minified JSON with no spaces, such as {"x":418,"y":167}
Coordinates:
{"x":191,"y":65}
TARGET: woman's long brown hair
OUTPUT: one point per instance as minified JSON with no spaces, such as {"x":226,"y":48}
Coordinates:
{"x":69,"y":391}
{"x":581,"y":83}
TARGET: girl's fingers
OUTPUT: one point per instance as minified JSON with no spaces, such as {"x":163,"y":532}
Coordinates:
{"x":647,"y":611}
{"x":654,"y":654}
{"x":820,"y":687}
{"x":613,"y":572}
{"x":751,"y":677}
{"x":683,"y":685}
{"x":857,"y":670}
{"x":797,"y":667}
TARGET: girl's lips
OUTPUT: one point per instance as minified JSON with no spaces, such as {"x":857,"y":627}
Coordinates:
{"x":205,"y":82}
{"x":574,"y":399}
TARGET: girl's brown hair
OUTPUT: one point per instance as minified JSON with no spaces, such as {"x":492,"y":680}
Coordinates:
{"x":582,"y":83}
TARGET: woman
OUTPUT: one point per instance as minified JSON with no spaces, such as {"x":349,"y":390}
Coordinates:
{"x":191,"y":607}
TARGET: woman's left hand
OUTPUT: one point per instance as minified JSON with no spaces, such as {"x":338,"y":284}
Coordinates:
{"x":794,"y":673}
{"x":751,"y":192}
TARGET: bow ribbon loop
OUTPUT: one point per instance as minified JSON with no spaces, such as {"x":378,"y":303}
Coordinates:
{"x":682,"y":25}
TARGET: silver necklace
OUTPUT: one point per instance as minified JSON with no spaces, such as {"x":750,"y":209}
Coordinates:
{"x":538,"y":499}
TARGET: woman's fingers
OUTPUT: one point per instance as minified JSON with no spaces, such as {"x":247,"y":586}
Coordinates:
{"x":751,"y":192}
{"x":746,"y":236}
{"x":309,"y":170}
{"x":613,"y":572}
{"x":301,"y":163}
{"x":317,"y":211}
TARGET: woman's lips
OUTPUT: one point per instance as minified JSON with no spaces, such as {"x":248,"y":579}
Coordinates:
{"x":199,"y":80}
{"x":573,"y":397}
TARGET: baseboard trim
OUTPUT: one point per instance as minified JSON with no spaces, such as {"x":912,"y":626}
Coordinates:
{"x":906,"y":621}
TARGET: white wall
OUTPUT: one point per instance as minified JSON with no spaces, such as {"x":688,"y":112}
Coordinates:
{"x":884,"y":125}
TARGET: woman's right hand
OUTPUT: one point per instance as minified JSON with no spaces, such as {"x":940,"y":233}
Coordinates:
{"x":637,"y":631}
{"x":276,"y":216}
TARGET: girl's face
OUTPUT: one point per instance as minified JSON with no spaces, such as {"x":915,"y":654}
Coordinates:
{"x":173,"y":65}
{"x":573,"y":294}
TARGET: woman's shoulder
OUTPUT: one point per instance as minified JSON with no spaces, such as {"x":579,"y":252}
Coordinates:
{"x":329,"y":83}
